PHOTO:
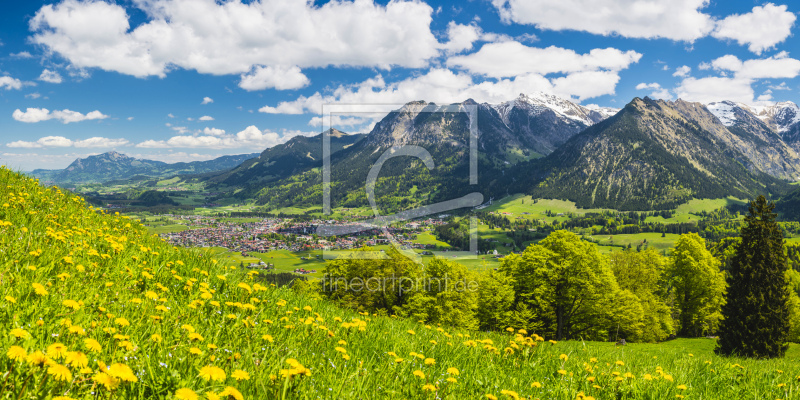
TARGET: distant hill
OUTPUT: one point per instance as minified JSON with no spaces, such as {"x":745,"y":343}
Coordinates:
{"x":116,"y":166}
{"x":656,"y":154}
{"x":296,"y":156}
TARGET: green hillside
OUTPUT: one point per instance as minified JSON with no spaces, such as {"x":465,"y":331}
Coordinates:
{"x":93,"y":307}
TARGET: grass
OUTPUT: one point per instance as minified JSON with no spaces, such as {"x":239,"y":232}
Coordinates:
{"x":92,"y":306}
{"x":654,"y":241}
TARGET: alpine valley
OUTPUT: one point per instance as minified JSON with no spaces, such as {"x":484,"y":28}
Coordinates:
{"x":649,"y":155}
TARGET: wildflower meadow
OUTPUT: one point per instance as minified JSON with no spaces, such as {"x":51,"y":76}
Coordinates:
{"x":92,"y":307}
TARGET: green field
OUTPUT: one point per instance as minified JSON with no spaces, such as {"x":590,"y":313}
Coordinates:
{"x":607,"y":243}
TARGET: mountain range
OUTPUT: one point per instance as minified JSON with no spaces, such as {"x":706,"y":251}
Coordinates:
{"x":651,"y":154}
{"x":112,"y":166}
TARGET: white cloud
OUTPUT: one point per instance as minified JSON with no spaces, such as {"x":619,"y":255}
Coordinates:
{"x":170,"y":115}
{"x":444,"y":86}
{"x":232,"y":37}
{"x":781,"y":86}
{"x":336,"y":121}
{"x":267,"y":77}
{"x":206,"y":100}
{"x":205,"y":118}
{"x":511,"y":58}
{"x":34,"y":95}
{"x":213,"y":132}
{"x":250,"y":137}
{"x":33,"y":115}
{"x":709,"y":89}
{"x":737,"y":77}
{"x":461,"y":37}
{"x":682,"y":71}
{"x":100,"y":142}
{"x":60,"y":141}
{"x":657,"y":92}
{"x":760,"y":29}
{"x":775,"y":67}
{"x":8,"y":83}
{"x":50,"y":76}
{"x":130,"y":118}
{"x":21,"y":54}
{"x":672,"y":19}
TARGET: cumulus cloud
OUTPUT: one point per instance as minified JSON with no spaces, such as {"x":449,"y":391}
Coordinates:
{"x":680,"y":20}
{"x":211,"y":138}
{"x":8,"y":83}
{"x":233,"y":37}
{"x":267,"y":77}
{"x":60,"y":141}
{"x":33,"y":115}
{"x":213,"y":132}
{"x":760,"y":29}
{"x":444,"y":86}
{"x":34,"y":95}
{"x":657,"y":92}
{"x":206,"y":100}
{"x":714,"y":88}
{"x":682,"y":71}
{"x":737,"y":77}
{"x":511,"y":58}
{"x":50,"y":76}
{"x":775,"y":67}
{"x":205,"y":118}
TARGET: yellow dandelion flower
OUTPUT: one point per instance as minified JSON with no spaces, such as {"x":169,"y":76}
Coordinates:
{"x":122,"y":372}
{"x":563,"y":357}
{"x":619,"y":363}
{"x":229,"y":391}
{"x":428,"y":387}
{"x":56,"y":350}
{"x":92,"y":345}
{"x":19,"y":333}
{"x":60,"y":372}
{"x":398,"y":360}
{"x":681,"y":387}
{"x":196,"y":336}
{"x":10,"y":299}
{"x":76,"y":359}
{"x":419,"y":374}
{"x":16,"y":353}
{"x":106,"y":380}
{"x":212,"y":396}
{"x":429,"y":361}
{"x":453,"y":371}
{"x":39,"y":289}
{"x":491,"y":396}
{"x":536,"y":385}
{"x":156,"y":338}
{"x":240,"y":375}
{"x":185,"y":394}
{"x":411,"y":332}
{"x":122,"y":322}
{"x":562,"y":372}
{"x":211,"y":372}
{"x":37,"y":359}
{"x":195,"y":351}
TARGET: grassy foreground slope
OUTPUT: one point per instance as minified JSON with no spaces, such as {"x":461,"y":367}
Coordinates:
{"x":93,"y":307}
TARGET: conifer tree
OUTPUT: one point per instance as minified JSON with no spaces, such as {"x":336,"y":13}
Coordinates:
{"x":756,"y":315}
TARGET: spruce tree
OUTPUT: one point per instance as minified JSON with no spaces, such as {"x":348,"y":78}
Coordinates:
{"x":756,"y":315}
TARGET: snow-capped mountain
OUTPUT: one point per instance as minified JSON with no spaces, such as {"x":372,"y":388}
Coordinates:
{"x":539,"y":102}
{"x":544,"y":121}
{"x":783,"y":118}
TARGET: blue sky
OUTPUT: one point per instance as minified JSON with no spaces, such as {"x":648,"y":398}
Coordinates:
{"x":139,"y":76}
